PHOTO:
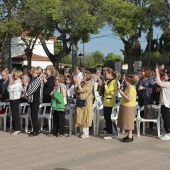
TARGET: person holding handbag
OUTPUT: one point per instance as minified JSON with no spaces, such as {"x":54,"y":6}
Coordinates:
{"x":110,"y":90}
{"x":84,"y":114}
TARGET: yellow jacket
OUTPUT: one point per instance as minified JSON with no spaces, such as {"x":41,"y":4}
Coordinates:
{"x":110,"y":94}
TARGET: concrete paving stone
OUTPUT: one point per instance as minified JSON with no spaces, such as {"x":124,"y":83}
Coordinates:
{"x":73,"y":153}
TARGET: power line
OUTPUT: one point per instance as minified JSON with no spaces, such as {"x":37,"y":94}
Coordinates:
{"x":108,"y":35}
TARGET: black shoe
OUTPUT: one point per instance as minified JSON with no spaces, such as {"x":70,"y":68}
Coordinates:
{"x":125,"y":137}
{"x":33,"y":134}
{"x":128,"y":139}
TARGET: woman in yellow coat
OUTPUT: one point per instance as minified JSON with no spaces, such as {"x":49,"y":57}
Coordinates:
{"x":110,"y":90}
{"x":83,"y":115}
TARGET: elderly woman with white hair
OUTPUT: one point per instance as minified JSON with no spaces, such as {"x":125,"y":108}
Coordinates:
{"x":25,"y":81}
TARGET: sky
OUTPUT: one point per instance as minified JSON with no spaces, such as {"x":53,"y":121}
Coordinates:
{"x":107,"y":42}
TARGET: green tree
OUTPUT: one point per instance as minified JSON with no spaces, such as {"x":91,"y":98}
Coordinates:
{"x":89,"y":62}
{"x":111,"y":58}
{"x":75,"y":22}
{"x":37,"y":17}
{"x":98,"y":57}
{"x":9,"y":24}
{"x":66,"y":59}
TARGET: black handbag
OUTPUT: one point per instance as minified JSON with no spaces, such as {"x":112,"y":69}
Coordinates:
{"x":81,"y":103}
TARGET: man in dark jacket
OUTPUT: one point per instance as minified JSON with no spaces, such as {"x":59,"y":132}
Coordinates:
{"x":4,"y":95}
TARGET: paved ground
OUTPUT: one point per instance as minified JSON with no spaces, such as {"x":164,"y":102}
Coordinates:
{"x":21,"y":152}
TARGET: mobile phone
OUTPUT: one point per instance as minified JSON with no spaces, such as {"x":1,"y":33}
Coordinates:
{"x":156,"y":64}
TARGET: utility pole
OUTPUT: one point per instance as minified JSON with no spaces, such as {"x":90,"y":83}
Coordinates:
{"x":83,"y":54}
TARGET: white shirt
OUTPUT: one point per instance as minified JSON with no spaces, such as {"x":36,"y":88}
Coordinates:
{"x":79,"y":75}
{"x":70,"y":91}
{"x":15,"y":90}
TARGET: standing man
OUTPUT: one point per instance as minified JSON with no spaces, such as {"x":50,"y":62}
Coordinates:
{"x":78,"y":74}
{"x":4,"y":95}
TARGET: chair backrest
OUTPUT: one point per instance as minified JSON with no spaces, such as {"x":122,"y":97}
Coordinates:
{"x":24,"y":108}
{"x":4,"y":104}
{"x":99,"y":110}
{"x":43,"y":107}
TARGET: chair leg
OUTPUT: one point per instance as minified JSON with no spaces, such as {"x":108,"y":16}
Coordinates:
{"x":26,"y":125}
{"x":21,"y":122}
{"x":97,"y":127}
{"x":49,"y":125}
{"x":94,"y":127}
{"x":10,"y":124}
{"x":138,"y":128}
{"x":42,"y":123}
{"x":143,"y":128}
{"x":71,"y":125}
{"x":5,"y":123}
{"x":0,"y":122}
{"x":158,"y":128}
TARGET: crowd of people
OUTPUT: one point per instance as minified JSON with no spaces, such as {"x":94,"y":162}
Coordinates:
{"x":48,"y":86}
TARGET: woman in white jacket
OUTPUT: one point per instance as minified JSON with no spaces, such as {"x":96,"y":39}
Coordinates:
{"x":165,"y":103}
{"x":14,"y":89}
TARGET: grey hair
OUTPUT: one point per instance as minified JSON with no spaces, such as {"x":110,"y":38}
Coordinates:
{"x":26,"y":77}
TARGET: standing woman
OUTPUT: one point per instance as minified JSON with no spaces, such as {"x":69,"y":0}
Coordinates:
{"x":165,"y":102}
{"x":48,"y":78}
{"x":35,"y":94}
{"x":110,"y":89}
{"x":14,"y":88}
{"x":58,"y":105}
{"x":145,"y":89}
{"x":83,"y":115}
{"x":127,"y":108}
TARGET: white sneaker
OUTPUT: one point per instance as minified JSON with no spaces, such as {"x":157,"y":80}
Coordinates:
{"x":84,"y":136}
{"x":165,"y":137}
{"x":104,"y":134}
{"x":108,"y":137}
{"x":162,"y":135}
{"x":16,"y":133}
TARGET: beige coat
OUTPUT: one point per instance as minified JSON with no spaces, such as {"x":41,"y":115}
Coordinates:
{"x":83,"y":115}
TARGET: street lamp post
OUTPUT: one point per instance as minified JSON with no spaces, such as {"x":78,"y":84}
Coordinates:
{"x":80,"y":57}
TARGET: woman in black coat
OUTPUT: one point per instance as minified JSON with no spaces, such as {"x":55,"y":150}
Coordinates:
{"x":48,"y":78}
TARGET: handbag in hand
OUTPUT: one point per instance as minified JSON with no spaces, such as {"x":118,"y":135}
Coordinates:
{"x":81,"y":103}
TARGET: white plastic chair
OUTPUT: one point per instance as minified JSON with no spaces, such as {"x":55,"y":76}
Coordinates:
{"x":25,"y":114}
{"x":3,"y":116}
{"x":69,"y":117}
{"x":139,"y":120}
{"x":100,"y":116}
{"x":45,"y":115}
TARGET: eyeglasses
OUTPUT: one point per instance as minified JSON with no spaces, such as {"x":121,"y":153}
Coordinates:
{"x":56,"y":79}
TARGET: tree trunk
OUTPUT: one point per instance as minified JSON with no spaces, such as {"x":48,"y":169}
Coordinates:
{"x":128,"y":51}
{"x":74,"y":54}
{"x":28,"y":53}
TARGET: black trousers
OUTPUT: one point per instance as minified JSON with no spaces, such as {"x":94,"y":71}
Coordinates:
{"x":107,"y":117}
{"x":166,"y":118}
{"x":34,"y":116}
{"x":15,"y":114}
{"x":58,"y":123}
